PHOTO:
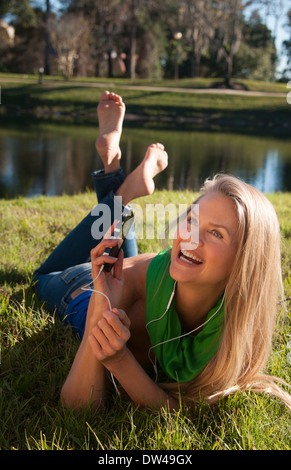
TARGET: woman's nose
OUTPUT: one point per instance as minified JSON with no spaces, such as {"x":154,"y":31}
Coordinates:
{"x":200,"y":241}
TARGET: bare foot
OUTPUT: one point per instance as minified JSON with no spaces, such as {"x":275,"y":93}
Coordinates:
{"x":155,"y":161}
{"x":140,"y":182}
{"x":110,"y":113}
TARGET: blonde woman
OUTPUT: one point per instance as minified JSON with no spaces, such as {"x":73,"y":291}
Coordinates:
{"x":201,"y":317}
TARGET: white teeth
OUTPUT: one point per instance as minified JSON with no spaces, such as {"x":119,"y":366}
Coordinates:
{"x":190,"y":255}
{"x":185,"y":259}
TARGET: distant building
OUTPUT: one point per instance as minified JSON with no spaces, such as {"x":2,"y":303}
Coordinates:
{"x":10,"y":31}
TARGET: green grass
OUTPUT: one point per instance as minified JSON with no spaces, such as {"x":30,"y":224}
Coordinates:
{"x":73,"y":102}
{"x":37,"y":350}
{"x":251,"y":85}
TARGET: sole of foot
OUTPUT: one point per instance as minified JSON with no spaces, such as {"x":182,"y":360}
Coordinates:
{"x":110,"y":112}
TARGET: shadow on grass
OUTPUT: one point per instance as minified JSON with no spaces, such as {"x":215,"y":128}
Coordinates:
{"x":33,"y":103}
{"x":258,"y":125}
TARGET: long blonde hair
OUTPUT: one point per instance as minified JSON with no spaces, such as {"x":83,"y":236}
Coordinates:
{"x":252,"y":294}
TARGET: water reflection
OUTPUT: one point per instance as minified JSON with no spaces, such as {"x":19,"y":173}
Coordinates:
{"x":53,"y":161}
{"x":270,"y":177}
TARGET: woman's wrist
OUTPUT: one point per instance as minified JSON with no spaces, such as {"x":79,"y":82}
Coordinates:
{"x":94,"y":314}
{"x":118,"y":362}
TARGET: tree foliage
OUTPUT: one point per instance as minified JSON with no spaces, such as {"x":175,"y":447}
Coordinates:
{"x":21,"y":9}
{"x":68,"y":36}
{"x":152,"y":39}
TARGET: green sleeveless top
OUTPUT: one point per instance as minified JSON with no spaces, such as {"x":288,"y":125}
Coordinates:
{"x":183,"y":358}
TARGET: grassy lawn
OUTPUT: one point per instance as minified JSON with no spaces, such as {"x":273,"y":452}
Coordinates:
{"x":73,"y":102}
{"x":250,"y":85}
{"x":182,"y":83}
{"x":37,"y":350}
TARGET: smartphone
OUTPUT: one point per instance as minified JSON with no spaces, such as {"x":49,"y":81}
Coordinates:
{"x":120,"y":233}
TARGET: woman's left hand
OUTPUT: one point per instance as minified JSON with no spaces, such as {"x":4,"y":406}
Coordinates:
{"x":109,"y":337}
{"x":111,"y":283}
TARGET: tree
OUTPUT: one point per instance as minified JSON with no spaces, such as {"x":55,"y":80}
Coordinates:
{"x":20,"y":9}
{"x":47,"y":54}
{"x":275,"y":10}
{"x":271,"y":8}
{"x":199,"y":21}
{"x":105,"y":18}
{"x":150,"y":47}
{"x":23,"y":53}
{"x":229,"y":32}
{"x":256,"y":57}
{"x":144,"y":20}
{"x":287,"y":43}
{"x":68,"y":34}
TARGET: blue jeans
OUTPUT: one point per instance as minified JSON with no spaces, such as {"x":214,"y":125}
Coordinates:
{"x":68,"y":267}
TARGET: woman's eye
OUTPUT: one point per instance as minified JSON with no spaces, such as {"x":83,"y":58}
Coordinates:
{"x":216,"y":234}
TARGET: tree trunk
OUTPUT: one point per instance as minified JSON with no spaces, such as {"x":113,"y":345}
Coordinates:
{"x":195,"y":62}
{"x":47,"y":62}
{"x":110,"y":68}
{"x":133,"y":29}
{"x":228,"y":75}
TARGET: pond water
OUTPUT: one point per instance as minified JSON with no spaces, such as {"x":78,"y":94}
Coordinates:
{"x":53,"y":160}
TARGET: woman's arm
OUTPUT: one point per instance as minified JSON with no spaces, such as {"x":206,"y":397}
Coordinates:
{"x":87,"y":380}
{"x":138,"y":385}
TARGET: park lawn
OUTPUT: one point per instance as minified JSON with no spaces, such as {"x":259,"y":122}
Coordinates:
{"x":75,"y":102}
{"x":250,"y":85}
{"x":37,"y":350}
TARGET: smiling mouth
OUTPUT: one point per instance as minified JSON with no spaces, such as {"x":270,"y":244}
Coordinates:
{"x":189,"y":257}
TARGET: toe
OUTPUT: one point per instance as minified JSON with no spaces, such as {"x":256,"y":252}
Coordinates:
{"x":105,"y":96}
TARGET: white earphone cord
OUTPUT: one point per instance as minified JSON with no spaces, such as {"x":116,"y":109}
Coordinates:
{"x":97,"y":291}
{"x":181,"y":336}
